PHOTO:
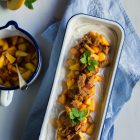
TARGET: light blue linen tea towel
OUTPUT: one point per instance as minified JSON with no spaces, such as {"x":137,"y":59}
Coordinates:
{"x":128,"y":71}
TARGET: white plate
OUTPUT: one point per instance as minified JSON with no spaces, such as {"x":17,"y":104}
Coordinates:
{"x":76,"y":28}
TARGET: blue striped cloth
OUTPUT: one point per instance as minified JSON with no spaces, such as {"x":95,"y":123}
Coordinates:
{"x":128,"y":71}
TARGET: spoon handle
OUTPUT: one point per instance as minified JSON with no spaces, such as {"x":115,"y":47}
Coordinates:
{"x":22,"y":83}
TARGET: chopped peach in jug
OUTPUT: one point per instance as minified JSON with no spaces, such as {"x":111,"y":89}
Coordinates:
{"x":16,"y":50}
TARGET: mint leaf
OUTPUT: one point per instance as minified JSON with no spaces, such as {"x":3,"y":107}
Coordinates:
{"x":75,"y":121}
{"x":29,"y":3}
{"x":83,"y":60}
{"x":87,"y":60}
{"x":71,"y":116}
{"x":75,"y":112}
{"x":86,"y":56}
{"x":33,"y":1}
{"x":91,"y":68}
{"x":91,"y":65}
{"x":94,"y":62}
{"x":76,"y":116}
{"x":87,"y":53}
{"x":83,"y":113}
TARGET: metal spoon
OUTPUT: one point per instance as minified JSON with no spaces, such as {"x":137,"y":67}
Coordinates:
{"x":22,"y":83}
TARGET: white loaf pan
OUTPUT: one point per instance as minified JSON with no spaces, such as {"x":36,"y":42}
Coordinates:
{"x":77,"y":26}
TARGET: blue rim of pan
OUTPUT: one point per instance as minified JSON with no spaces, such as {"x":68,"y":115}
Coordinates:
{"x":35,"y":74}
{"x":118,"y":59}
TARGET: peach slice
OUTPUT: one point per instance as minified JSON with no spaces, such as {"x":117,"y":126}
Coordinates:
{"x":14,"y":4}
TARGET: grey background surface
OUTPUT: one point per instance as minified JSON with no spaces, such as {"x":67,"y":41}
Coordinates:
{"x":13,"y":118}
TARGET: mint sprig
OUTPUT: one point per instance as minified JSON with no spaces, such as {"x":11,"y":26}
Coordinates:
{"x":86,"y":59}
{"x":77,"y":116}
{"x":86,"y":56}
{"x":29,"y":3}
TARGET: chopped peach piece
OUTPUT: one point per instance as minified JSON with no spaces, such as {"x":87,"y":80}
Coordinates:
{"x":70,"y":82}
{"x":90,"y":129}
{"x":74,"y":51}
{"x":1,"y":42}
{"x":95,"y":56}
{"x":98,"y":78}
{"x":70,"y":62}
{"x":75,"y":67}
{"x":10,"y":58}
{"x":104,"y":40}
{"x":22,"y":70}
{"x":92,"y":105}
{"x":14,"y":4}
{"x":11,"y":50}
{"x":21,"y":40}
{"x":26,"y":75}
{"x":71,"y":74}
{"x":96,"y":49}
{"x":102,"y":56}
{"x":22,"y":47}
{"x":62,"y":99}
{"x":11,"y":68}
{"x":82,"y":137}
{"x":30,"y":67}
{"x":88,"y":48}
{"x":5,"y":46}
{"x":21,"y":53}
{"x":2,"y":59}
